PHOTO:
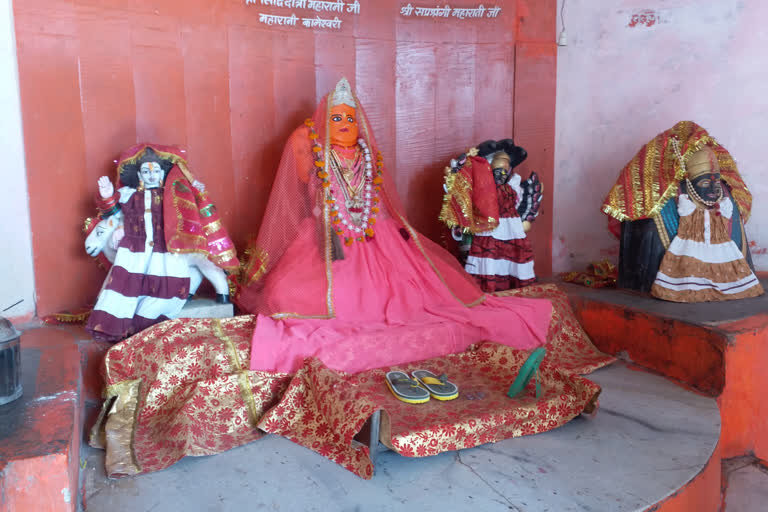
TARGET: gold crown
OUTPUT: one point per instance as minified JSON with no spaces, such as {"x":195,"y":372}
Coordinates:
{"x":701,"y":162}
{"x":342,"y":94}
{"x":499,"y":159}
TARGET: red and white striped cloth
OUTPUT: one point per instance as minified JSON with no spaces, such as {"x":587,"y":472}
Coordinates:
{"x":502,"y":259}
{"x":146,"y":284}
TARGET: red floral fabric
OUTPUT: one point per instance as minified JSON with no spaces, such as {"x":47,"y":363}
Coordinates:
{"x":182,"y":388}
{"x":568,"y":346}
{"x":323,"y":409}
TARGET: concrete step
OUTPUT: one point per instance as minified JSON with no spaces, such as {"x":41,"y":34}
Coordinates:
{"x":41,"y":432}
{"x":720,"y":349}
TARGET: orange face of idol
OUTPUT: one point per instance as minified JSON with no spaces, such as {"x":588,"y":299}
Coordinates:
{"x":343,"y":126}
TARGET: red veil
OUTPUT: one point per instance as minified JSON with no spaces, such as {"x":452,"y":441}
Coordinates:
{"x":296,"y":205}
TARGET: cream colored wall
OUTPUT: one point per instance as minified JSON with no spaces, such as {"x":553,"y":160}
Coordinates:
{"x":623,"y":78}
{"x":16,"y":275}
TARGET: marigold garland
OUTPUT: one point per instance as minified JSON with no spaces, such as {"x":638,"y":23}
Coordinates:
{"x":373,"y":187}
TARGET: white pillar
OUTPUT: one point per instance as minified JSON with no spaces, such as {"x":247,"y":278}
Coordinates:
{"x":16,"y":270}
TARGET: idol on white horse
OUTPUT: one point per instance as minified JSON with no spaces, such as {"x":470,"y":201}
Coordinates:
{"x":101,"y":242}
{"x":99,"y":236}
{"x":162,"y":235}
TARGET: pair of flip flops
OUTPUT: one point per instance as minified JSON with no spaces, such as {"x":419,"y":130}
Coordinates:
{"x":419,"y":388}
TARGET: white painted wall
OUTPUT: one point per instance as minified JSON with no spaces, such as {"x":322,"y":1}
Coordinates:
{"x":618,"y":86}
{"x":16,"y":274}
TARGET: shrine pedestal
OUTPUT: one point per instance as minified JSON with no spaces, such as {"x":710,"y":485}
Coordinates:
{"x":206,"y":308}
{"x":651,"y":446}
{"x":719,"y":349}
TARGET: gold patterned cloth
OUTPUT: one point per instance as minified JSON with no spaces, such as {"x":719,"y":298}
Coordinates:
{"x":324,"y":409}
{"x":568,"y":346}
{"x":599,"y":274}
{"x":470,"y":201}
{"x":183,"y":388}
{"x":653,"y":175}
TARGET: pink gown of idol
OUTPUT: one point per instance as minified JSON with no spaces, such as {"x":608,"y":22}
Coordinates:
{"x":394,"y":298}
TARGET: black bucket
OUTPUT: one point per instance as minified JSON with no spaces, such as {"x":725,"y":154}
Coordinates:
{"x":10,"y":362}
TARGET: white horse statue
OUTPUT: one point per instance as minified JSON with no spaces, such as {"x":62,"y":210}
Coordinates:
{"x":99,"y":241}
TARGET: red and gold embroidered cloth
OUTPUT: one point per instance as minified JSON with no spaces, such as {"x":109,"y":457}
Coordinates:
{"x":599,"y":274}
{"x":652,"y":177}
{"x":183,"y":388}
{"x":470,"y":200}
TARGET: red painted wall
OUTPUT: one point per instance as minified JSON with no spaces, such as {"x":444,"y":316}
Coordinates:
{"x":99,"y":75}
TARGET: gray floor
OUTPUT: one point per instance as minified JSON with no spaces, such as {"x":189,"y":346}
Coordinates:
{"x":747,"y":488}
{"x":648,"y":439}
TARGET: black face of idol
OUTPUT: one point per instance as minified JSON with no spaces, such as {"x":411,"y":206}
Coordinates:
{"x":707,"y":186}
{"x":501,"y":175}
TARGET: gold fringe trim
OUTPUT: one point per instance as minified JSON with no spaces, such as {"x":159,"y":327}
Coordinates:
{"x":447,"y":214}
{"x":459,"y":189}
{"x":176,"y":159}
{"x":67,"y":318}
{"x":213,"y":227}
{"x":615,"y":212}
{"x":662,"y":159}
{"x":254,"y":254}
{"x":120,"y":427}
{"x":662,"y":229}
{"x":87,"y":224}
{"x":242,"y":375}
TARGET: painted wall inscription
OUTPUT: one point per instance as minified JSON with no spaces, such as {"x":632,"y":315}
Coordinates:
{"x":450,"y":12}
{"x":319,"y":6}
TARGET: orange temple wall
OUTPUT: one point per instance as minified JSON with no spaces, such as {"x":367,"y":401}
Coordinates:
{"x":97,"y":76}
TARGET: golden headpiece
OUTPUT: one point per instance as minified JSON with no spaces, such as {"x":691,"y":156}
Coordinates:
{"x":703,"y":161}
{"x":501,"y":159}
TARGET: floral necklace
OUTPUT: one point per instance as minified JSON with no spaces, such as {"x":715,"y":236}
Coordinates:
{"x":359,"y":201}
{"x":348,"y":172}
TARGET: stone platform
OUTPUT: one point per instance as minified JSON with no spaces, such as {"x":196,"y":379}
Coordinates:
{"x":653,"y":445}
{"x":719,"y":349}
{"x":649,"y":439}
{"x":206,"y":308}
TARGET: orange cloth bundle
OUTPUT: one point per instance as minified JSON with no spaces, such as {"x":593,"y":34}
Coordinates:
{"x":600,"y":274}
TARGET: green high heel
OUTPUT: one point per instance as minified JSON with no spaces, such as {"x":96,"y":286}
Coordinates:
{"x":528,"y":370}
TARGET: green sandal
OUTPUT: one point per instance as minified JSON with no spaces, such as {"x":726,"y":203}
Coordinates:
{"x":528,"y":370}
{"x":406,"y":389}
